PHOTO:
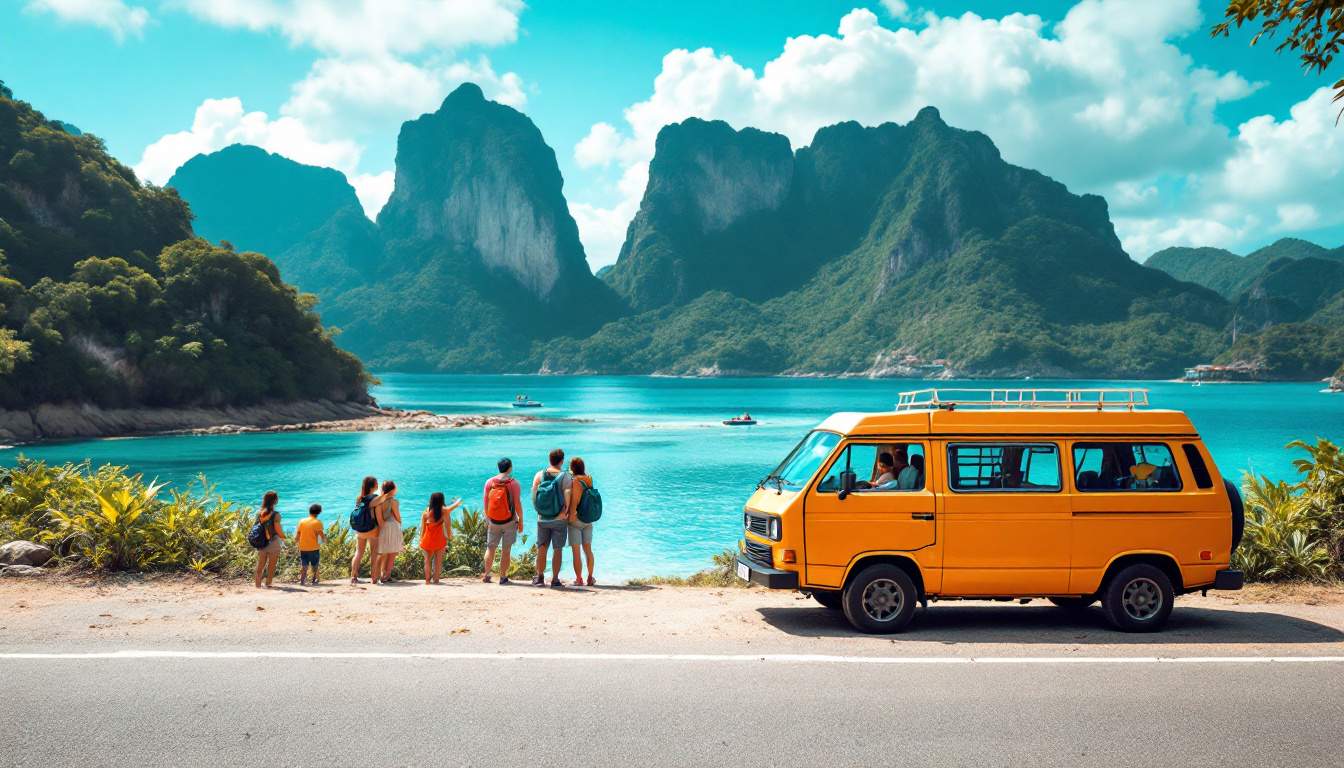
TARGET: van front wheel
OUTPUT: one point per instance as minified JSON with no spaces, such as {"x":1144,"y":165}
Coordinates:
{"x":1139,"y":598}
{"x":880,"y":599}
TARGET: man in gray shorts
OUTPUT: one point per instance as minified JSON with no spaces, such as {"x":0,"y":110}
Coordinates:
{"x":504,"y":519}
{"x":551,"y":534}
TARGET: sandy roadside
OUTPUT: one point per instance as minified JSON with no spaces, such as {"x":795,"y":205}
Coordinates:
{"x":461,"y":615}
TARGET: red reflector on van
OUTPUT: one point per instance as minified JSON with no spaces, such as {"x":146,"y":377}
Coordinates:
{"x":1205,"y":554}
{"x":789,"y":556}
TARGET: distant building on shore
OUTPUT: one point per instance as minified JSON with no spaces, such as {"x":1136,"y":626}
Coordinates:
{"x":1241,"y":370}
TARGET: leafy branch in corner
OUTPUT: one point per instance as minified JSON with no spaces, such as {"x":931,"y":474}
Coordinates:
{"x":1316,"y":29}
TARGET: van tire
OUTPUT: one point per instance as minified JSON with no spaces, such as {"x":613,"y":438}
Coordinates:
{"x":1138,"y":598}
{"x":830,"y":598}
{"x":1073,"y":603}
{"x":880,"y":599}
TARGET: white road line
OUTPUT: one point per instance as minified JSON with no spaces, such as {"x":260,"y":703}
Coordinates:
{"x":775,"y":658}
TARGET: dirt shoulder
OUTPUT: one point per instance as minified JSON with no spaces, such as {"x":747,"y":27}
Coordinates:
{"x":461,"y":615}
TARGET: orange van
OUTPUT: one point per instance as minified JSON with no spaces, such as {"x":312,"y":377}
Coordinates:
{"x":1072,"y":495}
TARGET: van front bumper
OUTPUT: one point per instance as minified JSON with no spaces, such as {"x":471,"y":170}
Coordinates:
{"x":1229,"y":579}
{"x":770,"y":578}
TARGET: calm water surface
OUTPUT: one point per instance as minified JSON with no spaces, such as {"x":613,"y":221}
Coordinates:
{"x":672,"y":477}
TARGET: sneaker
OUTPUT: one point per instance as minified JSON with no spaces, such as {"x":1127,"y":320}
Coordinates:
{"x":538,"y":581}
{"x":557,"y":584}
{"x":504,"y":580}
{"x":486,"y":578}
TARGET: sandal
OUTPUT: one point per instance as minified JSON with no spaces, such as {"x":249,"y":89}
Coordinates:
{"x":486,"y":578}
{"x":577,"y":582}
{"x":592,"y":582}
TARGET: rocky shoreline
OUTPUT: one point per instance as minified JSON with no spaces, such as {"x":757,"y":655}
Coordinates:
{"x":73,"y":421}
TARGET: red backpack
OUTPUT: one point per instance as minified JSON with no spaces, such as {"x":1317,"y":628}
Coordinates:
{"x":499,"y":502}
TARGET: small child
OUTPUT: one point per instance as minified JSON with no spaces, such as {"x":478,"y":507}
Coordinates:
{"x":310,"y":537}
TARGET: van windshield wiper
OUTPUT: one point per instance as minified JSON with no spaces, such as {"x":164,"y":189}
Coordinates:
{"x":772,"y":478}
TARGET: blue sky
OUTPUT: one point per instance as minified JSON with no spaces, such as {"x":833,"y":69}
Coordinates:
{"x":1192,"y":140}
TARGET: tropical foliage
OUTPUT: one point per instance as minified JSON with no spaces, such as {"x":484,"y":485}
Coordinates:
{"x":1296,"y":530}
{"x":1315,"y":29}
{"x":106,"y":519}
{"x":106,"y":297}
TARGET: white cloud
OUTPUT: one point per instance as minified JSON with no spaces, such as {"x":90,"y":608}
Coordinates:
{"x":897,"y":9}
{"x":1101,"y":99}
{"x":368,"y":27}
{"x":1280,"y":177}
{"x":115,"y":16}
{"x":373,"y":190}
{"x":376,"y":94}
{"x":221,"y":122}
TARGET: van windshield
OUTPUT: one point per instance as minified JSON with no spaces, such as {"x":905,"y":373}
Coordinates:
{"x":803,"y":461}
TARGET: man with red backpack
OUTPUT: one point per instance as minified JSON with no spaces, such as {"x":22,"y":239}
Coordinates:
{"x":504,"y":519}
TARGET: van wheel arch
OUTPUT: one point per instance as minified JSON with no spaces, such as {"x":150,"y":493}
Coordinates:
{"x":1166,"y":563}
{"x":909,"y":566}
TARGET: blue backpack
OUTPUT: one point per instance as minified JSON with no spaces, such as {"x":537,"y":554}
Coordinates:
{"x":362,"y":519}
{"x":590,"y":503}
{"x":259,"y":535}
{"x":549,"y":500}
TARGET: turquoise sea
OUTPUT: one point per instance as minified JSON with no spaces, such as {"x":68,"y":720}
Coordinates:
{"x":672,"y":476}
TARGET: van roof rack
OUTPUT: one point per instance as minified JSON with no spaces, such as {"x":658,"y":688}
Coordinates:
{"x":1101,"y":399}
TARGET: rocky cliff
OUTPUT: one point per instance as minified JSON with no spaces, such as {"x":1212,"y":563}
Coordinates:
{"x":912,"y":242}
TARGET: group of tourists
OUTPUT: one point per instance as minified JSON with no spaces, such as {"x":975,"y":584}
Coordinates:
{"x":563,"y":497}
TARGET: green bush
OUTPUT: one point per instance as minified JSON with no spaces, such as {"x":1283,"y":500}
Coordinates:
{"x":1296,"y":530}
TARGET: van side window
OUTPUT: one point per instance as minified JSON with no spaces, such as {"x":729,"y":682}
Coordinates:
{"x":1124,"y":467}
{"x":878,"y":468}
{"x":1031,"y":467}
{"x":1202,"y":477}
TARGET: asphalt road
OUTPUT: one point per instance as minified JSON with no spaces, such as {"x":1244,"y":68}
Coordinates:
{"x":604,"y":710}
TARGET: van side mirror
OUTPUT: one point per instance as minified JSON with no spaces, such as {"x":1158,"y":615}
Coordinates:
{"x":848,"y":479}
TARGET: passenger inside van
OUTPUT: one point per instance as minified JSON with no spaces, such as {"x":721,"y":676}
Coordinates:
{"x":885,"y":472}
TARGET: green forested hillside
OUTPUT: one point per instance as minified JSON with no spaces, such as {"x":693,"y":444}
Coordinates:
{"x":1226,"y":272}
{"x":1287,"y":303}
{"x":107,"y":298}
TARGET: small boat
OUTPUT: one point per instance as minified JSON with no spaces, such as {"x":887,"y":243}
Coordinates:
{"x":745,"y":420}
{"x":523,"y":401}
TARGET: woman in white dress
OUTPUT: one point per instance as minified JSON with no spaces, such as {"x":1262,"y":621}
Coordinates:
{"x":390,"y":541}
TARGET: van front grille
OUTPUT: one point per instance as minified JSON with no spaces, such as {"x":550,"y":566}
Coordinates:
{"x":760,"y":554}
{"x":758,"y":525}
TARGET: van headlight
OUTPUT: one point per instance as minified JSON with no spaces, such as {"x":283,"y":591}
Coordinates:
{"x":746,"y":520}
{"x":773,"y":529}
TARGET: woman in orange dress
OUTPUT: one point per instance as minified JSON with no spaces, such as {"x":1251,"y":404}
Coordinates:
{"x":436,"y":531}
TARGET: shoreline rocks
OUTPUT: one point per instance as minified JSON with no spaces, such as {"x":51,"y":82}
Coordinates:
{"x":74,"y":421}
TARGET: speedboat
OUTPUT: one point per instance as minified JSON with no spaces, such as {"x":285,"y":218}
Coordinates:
{"x":523,"y":401}
{"x":745,"y":420}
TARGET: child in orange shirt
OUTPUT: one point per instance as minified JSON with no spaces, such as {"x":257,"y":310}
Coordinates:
{"x":310,"y":537}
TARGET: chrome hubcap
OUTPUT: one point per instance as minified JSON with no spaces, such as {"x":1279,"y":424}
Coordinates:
{"x":883,"y":600}
{"x":1142,"y":599}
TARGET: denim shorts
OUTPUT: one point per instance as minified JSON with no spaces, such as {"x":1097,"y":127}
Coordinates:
{"x":551,"y":534}
{"x":580,"y":533}
{"x":310,"y":558}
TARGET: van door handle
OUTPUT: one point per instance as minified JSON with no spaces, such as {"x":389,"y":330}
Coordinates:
{"x":921,"y":515}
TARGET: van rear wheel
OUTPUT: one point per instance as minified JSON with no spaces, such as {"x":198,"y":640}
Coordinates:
{"x":880,"y":599}
{"x":1139,"y":598}
{"x":830,"y":598}
{"x":1073,"y":603}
